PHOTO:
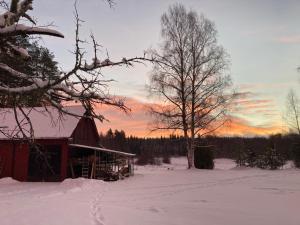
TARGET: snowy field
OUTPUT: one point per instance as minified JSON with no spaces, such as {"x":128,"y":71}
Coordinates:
{"x":164,"y":195}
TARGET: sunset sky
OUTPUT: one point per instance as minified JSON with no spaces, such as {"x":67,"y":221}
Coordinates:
{"x":261,"y":37}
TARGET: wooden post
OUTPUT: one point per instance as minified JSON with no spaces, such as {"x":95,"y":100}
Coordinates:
{"x":64,"y":160}
{"x":72,"y":169}
{"x":93,"y":165}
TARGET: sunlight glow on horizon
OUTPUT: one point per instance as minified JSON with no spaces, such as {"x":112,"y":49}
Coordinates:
{"x":138,"y":123}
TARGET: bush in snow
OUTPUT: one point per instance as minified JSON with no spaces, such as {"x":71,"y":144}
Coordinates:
{"x":204,"y":158}
{"x":296,"y":154}
{"x":270,"y":159}
{"x":145,"y":159}
{"x":246,"y":157}
{"x":241,"y":156}
{"x":241,"y":159}
{"x":251,"y":158}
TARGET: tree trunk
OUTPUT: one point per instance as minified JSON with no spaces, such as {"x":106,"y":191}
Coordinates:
{"x":191,"y":158}
{"x":191,"y":154}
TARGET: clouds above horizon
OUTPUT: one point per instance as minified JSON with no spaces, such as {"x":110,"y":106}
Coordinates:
{"x":138,"y":121}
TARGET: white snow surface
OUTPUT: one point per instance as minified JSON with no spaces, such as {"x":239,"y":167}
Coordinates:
{"x":164,"y":195}
{"x":46,"y":124}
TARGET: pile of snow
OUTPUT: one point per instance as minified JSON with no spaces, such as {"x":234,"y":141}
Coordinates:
{"x":166,"y":194}
{"x":224,"y":164}
{"x":7,"y":181}
{"x":79,"y":184}
{"x":289,"y":165}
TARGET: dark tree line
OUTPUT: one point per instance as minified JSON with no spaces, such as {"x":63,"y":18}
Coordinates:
{"x":223,"y":147}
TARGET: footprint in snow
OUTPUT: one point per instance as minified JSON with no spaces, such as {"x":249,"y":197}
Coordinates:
{"x":155,"y":210}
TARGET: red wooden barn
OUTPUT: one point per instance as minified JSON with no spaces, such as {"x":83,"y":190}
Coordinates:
{"x":66,"y":146}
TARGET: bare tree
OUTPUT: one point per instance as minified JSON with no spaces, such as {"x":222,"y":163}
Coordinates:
{"x":189,"y":76}
{"x":293,"y":111}
{"x":84,"y":83}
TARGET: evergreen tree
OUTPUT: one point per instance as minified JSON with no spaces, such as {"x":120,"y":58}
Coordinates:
{"x":296,"y":154}
{"x":120,"y":141}
{"x":271,"y":159}
{"x":40,"y":64}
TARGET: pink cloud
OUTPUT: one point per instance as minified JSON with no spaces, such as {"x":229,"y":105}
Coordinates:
{"x":293,"y":39}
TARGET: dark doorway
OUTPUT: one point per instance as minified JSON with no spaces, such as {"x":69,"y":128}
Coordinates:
{"x":44,"y":163}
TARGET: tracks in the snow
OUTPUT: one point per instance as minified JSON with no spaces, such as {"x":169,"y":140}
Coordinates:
{"x":168,"y":190}
{"x":95,"y":211}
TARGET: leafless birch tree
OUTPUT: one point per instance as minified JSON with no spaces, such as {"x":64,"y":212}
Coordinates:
{"x":189,"y":76}
{"x":293,"y":112}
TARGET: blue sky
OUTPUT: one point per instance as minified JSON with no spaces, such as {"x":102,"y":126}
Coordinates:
{"x":261,"y":37}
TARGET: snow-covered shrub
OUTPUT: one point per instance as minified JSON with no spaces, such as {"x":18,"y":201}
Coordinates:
{"x":296,"y":154}
{"x":251,"y":158}
{"x":246,"y":157}
{"x":270,"y":159}
{"x":145,"y":159}
{"x":204,"y":158}
{"x":157,"y":161}
{"x":241,"y":157}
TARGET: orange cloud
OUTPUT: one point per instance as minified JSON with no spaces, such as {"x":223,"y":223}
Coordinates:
{"x":241,"y":127}
{"x":138,"y":121}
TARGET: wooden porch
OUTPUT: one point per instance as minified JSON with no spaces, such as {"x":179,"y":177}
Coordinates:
{"x":99,"y":163}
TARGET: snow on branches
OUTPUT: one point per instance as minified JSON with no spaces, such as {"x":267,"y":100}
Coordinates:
{"x":84,"y":83}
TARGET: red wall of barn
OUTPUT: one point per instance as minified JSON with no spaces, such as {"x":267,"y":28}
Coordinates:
{"x":86,"y":133}
{"x":64,"y":160}
{"x":6,"y":154}
{"x":20,"y":162}
{"x":16,"y":157}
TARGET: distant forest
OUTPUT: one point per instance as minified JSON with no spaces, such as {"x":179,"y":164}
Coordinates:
{"x":223,"y":147}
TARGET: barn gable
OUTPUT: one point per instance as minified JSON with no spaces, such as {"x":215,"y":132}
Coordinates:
{"x":85,"y":133}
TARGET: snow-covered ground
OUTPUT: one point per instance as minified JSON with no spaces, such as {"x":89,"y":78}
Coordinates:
{"x":164,"y":195}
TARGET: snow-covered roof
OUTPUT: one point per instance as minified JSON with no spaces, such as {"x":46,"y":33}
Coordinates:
{"x":46,"y":123}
